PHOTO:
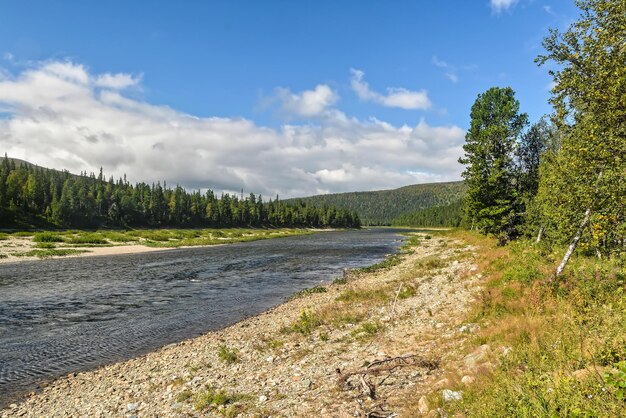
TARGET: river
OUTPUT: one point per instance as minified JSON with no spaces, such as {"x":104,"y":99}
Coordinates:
{"x":65,"y":315}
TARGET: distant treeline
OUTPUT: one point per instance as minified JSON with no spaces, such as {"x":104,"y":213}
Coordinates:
{"x":383,"y":207}
{"x":35,"y":195}
{"x":445,"y":216}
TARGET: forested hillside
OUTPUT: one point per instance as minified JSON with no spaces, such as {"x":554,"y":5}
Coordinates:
{"x":449,"y":215}
{"x":36,"y":196}
{"x":383,"y":206}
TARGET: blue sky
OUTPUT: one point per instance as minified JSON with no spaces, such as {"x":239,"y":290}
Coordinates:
{"x":331,"y":92}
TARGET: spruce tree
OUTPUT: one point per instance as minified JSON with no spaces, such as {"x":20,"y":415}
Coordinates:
{"x":492,"y":199}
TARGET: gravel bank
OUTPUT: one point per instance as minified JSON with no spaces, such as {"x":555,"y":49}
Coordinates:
{"x":374,"y":344}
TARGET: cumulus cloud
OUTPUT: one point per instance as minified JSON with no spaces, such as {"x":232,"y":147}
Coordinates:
{"x":117,"y":81}
{"x":395,"y":97}
{"x":61,"y":116}
{"x":307,"y":103}
{"x":498,"y":6}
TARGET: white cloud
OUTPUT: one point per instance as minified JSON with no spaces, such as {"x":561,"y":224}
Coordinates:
{"x":548,"y":10}
{"x":61,"y":117}
{"x":8,"y":56}
{"x":395,"y":97}
{"x":451,"y":71}
{"x":307,"y":103}
{"x":117,"y":81}
{"x":498,"y":6}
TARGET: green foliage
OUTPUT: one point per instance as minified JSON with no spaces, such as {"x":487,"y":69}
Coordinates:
{"x":617,"y":380}
{"x":384,"y":206}
{"x":586,"y":169}
{"x":367,"y":329}
{"x":88,"y":239}
{"x":45,"y":245}
{"x":450,"y":215}
{"x":212,"y":398}
{"x":29,"y":194}
{"x":49,"y":253}
{"x":490,"y":143}
{"x":227,"y":355}
{"x":560,"y":338}
{"x":47,"y":237}
{"x":309,"y":291}
{"x":307,"y":322}
{"x":387,"y":263}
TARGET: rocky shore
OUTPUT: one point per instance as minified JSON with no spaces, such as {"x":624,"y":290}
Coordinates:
{"x":373,"y":344}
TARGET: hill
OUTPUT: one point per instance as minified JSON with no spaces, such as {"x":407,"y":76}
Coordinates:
{"x":382,"y":207}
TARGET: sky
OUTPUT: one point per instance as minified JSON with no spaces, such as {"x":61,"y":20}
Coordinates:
{"x":276,"y":97}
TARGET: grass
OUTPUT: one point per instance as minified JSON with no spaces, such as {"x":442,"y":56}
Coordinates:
{"x":49,"y":253}
{"x":309,"y":291}
{"x":567,"y":340}
{"x":227,"y":355}
{"x":367,"y":330}
{"x":47,"y":237}
{"x":306,"y":323}
{"x":387,"y":263}
{"x":211,"y":398}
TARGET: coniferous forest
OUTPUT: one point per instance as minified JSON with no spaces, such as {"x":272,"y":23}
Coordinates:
{"x":36,"y":196}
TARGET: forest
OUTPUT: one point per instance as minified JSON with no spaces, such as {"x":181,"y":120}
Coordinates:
{"x":450,"y":215}
{"x":382,"y":207}
{"x":36,"y":196}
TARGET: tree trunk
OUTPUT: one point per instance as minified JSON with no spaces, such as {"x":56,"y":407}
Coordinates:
{"x":540,"y":235}
{"x":574,"y":243}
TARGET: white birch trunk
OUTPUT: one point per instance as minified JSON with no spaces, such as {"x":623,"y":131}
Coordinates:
{"x":540,"y":235}
{"x":574,"y":243}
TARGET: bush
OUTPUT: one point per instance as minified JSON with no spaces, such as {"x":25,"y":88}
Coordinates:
{"x":306,"y":323}
{"x":226,"y":355}
{"x":47,"y":237}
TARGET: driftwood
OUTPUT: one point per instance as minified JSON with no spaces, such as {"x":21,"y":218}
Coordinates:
{"x":379,"y":367}
{"x":393,"y":309}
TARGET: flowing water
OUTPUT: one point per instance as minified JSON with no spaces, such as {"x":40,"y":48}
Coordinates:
{"x":66,"y":315}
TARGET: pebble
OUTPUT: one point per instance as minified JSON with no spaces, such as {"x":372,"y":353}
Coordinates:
{"x":422,"y":405}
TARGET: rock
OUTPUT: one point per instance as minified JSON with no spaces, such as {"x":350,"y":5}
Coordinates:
{"x":478,"y":356}
{"x":13,"y":406}
{"x":262,"y":398}
{"x":451,"y":395}
{"x":306,"y":384}
{"x":468,"y":380}
{"x":441,"y":384}
{"x":270,"y":359}
{"x":422,"y":405}
{"x":132,"y":407}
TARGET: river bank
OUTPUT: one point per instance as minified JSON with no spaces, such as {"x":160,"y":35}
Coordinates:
{"x":372,"y":343}
{"x":24,"y":246}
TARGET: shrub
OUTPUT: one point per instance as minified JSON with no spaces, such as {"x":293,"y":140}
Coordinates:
{"x":226,"y":355}
{"x":306,"y":323}
{"x":47,"y":237}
